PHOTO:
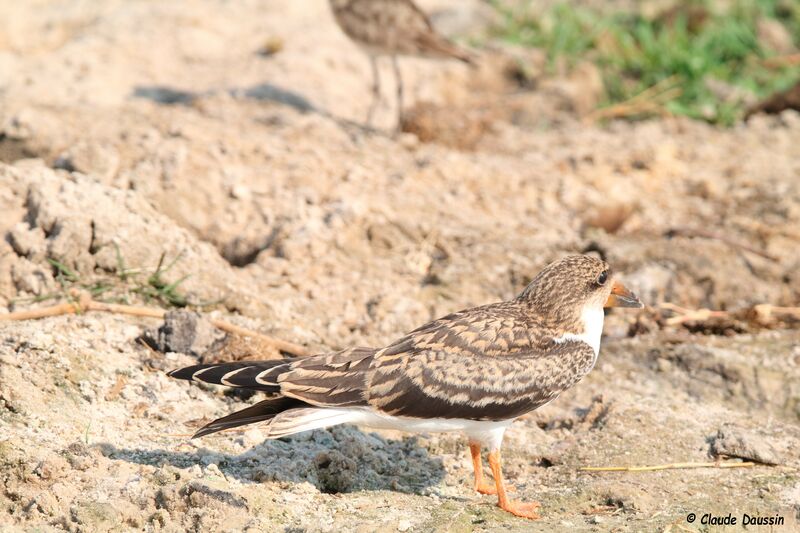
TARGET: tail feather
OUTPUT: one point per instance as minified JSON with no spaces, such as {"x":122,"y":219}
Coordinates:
{"x":305,"y":393}
{"x":244,"y":374}
{"x":260,"y":412}
{"x":305,"y":419}
{"x":438,"y":45}
{"x":285,"y":416}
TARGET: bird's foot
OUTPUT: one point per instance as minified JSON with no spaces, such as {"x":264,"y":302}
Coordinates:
{"x":488,"y":488}
{"x":521,"y":509}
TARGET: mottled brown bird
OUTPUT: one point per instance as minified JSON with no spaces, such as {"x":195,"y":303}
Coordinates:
{"x":473,"y":371}
{"x":392,"y":28}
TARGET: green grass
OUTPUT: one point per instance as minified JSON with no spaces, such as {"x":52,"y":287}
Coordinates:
{"x":692,"y":50}
{"x":125,"y":285}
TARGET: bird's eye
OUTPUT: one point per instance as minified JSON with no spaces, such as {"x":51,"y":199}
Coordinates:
{"x":602,"y":278}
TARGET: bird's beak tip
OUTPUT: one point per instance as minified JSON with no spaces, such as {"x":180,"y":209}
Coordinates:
{"x":622,"y":297}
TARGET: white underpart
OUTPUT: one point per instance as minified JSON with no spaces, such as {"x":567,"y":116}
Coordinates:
{"x":592,"y":329}
{"x":485,"y":432}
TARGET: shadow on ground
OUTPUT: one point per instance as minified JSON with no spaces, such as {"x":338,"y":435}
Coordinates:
{"x":262,"y":92}
{"x":342,"y":459}
{"x":162,"y":94}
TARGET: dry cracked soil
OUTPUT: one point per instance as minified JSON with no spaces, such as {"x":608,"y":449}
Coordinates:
{"x":224,"y":138}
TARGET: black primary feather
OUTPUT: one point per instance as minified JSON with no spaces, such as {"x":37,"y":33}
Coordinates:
{"x":260,"y":412}
{"x":245,"y":378}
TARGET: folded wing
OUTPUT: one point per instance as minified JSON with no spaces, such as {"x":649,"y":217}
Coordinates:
{"x":485,"y":364}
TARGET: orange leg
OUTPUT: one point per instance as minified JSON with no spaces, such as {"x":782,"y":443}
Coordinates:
{"x":517,"y":508}
{"x":480,"y":484}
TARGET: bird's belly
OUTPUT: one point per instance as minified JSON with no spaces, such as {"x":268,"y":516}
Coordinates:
{"x":488,"y":432}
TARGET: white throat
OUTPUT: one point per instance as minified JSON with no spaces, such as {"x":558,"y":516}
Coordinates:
{"x":592,"y":329}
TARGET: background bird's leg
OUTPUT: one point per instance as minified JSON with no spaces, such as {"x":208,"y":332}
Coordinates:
{"x":477,"y":465}
{"x":399,"y":79}
{"x":517,"y":508}
{"x":376,"y":88}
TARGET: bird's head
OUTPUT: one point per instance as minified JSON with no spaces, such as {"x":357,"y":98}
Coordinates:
{"x":568,"y":288}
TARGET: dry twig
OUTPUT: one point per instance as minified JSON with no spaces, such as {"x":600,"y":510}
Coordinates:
{"x":782,"y":61}
{"x":696,"y":232}
{"x":649,"y":101}
{"x":280,"y":344}
{"x":670,"y":466}
{"x":760,"y":314}
{"x":691,"y":315}
{"x":765,"y":313}
{"x":116,"y":390}
{"x":84,"y":303}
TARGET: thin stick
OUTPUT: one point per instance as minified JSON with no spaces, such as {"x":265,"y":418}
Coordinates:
{"x":768,"y":309}
{"x":782,"y":61}
{"x":762,"y":314}
{"x":85,"y":303}
{"x":689,"y":315}
{"x":115,"y":391}
{"x":282,"y":345}
{"x":670,"y":466}
{"x":55,"y":310}
{"x":652,"y":90}
{"x":650,"y":100}
{"x":126,"y":309}
{"x":696,"y":232}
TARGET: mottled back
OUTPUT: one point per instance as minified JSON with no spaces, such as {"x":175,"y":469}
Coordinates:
{"x":392,"y":27}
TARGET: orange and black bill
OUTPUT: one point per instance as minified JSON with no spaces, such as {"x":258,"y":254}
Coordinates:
{"x":622,"y":297}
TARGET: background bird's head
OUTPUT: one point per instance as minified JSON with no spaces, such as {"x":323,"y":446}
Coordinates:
{"x":566,"y":289}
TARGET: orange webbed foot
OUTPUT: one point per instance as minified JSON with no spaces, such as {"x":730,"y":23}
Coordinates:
{"x":486,"y":488}
{"x":521,"y":509}
{"x":515,"y":507}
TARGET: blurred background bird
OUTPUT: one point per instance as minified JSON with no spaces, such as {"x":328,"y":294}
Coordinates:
{"x":391,"y":28}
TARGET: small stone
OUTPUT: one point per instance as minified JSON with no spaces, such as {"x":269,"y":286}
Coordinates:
{"x":184,"y":332}
{"x":404,"y":525}
{"x":31,"y":277}
{"x":408,"y":140}
{"x":90,"y":158}
{"x":664,"y":365}
{"x":732,"y":441}
{"x":28,"y":241}
{"x":241,"y":192}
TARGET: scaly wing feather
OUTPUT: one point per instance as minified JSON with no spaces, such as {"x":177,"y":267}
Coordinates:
{"x":488,"y":363}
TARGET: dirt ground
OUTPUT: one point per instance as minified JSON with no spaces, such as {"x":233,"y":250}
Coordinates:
{"x":225,"y":136}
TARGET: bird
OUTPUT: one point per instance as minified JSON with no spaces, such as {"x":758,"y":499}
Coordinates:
{"x":392,"y":28}
{"x":474,"y":371}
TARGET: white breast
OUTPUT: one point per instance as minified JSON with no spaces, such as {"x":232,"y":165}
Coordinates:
{"x":592,"y":329}
{"x":593,"y":323}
